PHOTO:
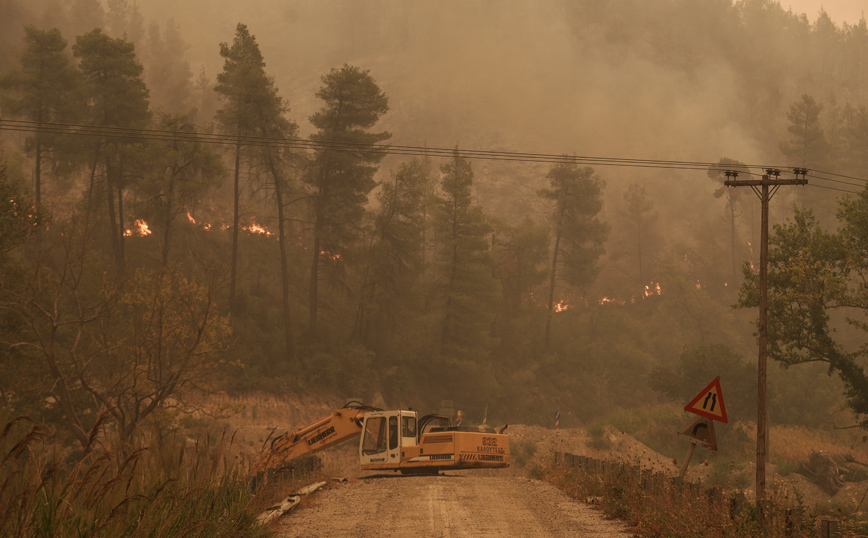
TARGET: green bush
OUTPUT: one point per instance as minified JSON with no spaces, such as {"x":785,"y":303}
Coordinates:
{"x":523,"y":452}
{"x":599,"y":439}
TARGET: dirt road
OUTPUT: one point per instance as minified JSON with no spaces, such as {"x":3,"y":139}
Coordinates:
{"x":446,"y":506}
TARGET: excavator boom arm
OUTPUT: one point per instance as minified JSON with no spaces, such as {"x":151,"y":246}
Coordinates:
{"x":339,"y":426}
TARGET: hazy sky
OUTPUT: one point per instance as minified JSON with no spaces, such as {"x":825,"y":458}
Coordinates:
{"x":849,"y":11}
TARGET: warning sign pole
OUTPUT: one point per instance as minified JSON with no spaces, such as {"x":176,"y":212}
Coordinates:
{"x":700,"y":432}
{"x":687,"y":459}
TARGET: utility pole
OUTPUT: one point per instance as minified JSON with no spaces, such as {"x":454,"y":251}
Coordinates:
{"x":762,"y":189}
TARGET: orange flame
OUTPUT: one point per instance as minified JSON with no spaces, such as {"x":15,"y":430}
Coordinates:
{"x":190,"y":217}
{"x":653,"y":289}
{"x":140,"y":227}
{"x":257,"y":229}
{"x":561,"y":306}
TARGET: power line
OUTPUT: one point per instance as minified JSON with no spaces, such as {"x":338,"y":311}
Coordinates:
{"x":831,"y":188}
{"x":392,"y":149}
{"x":862,"y":179}
{"x":190,"y":136}
{"x":814,"y":176}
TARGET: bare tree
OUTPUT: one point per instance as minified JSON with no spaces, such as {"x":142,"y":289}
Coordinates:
{"x":122,"y":347}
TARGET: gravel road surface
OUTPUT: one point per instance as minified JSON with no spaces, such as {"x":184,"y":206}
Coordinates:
{"x":446,"y":506}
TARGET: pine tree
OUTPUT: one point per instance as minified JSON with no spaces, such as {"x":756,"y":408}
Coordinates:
{"x":466,"y":265}
{"x":45,"y":90}
{"x":253,"y":108}
{"x":577,"y":196}
{"x":640,"y":210}
{"x":118,"y":98}
{"x":170,"y":79}
{"x":240,"y":83}
{"x":807,"y":143}
{"x":394,"y":257}
{"x":733,"y":199}
{"x":182,"y":169}
{"x":85,"y":16}
{"x":124,"y":20}
{"x":522,"y":258}
{"x":342,"y":172}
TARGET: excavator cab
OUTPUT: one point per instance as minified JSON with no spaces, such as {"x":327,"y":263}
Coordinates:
{"x":384,"y":433}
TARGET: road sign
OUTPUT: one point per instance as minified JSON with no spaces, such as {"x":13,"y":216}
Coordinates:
{"x":709,"y":402}
{"x":702,"y":432}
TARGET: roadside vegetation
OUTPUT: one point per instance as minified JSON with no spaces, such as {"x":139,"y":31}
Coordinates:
{"x":657,"y":505}
{"x":156,"y":485}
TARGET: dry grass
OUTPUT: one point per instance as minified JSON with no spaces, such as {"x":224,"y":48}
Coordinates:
{"x":158,"y":487}
{"x":658,"y":506}
{"x":796,"y":443}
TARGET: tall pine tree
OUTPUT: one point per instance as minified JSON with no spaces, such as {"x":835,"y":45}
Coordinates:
{"x":342,"y":171}
{"x":577,"y":197}
{"x":253,"y":107}
{"x":469,"y":290}
{"x":394,"y":262}
{"x":44,"y":90}
{"x":118,"y":98}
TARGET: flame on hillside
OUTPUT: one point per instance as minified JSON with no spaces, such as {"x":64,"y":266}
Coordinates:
{"x":653,"y":289}
{"x":560,"y":306}
{"x":257,"y":229}
{"x":140,"y":228}
{"x":207,"y":226}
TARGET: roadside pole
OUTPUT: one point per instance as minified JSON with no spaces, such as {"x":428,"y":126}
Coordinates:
{"x":761,"y":188}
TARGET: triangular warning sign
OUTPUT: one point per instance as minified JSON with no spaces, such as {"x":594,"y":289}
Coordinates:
{"x":709,"y":402}
{"x":702,"y":432}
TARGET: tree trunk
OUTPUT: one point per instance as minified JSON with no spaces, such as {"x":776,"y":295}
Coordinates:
{"x":552,"y":283}
{"x":639,"y":245}
{"x":93,"y":174}
{"x":113,"y":222}
{"x":120,"y":185}
{"x":37,"y":187}
{"x":314,"y":281}
{"x":317,"y":232}
{"x":66,"y":402}
{"x":235,"y":218}
{"x":167,"y":224}
{"x":732,"y":240}
{"x":444,"y":335}
{"x":284,"y":266}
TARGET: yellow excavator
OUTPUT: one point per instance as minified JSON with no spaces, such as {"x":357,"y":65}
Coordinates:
{"x":397,"y":440}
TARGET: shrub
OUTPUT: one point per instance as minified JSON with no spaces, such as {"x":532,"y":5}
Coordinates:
{"x":524,"y":452}
{"x":599,"y":439}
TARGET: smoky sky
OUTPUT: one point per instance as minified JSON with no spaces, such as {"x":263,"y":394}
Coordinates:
{"x":504,"y":74}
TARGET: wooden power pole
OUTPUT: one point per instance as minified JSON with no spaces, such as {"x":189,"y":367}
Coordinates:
{"x":764,"y":188}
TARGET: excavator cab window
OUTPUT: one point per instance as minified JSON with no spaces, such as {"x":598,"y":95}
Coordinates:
{"x":374,"y":440}
{"x":408,"y":426}
{"x":393,"y":433}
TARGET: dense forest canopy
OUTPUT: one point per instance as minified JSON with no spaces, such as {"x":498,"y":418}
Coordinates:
{"x":160,"y":240}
